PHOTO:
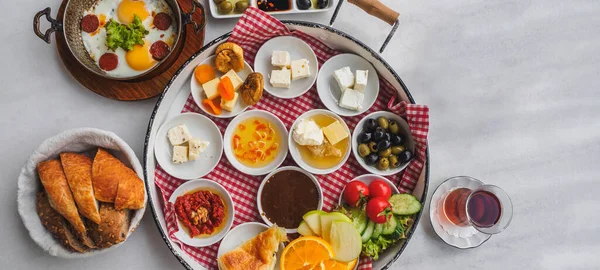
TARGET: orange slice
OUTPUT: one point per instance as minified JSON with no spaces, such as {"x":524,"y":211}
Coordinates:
{"x":305,"y":251}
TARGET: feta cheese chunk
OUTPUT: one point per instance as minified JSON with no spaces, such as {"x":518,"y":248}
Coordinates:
{"x":281,"y":78}
{"x":307,"y":132}
{"x":179,"y":134}
{"x":197,"y":146}
{"x":300,"y":69}
{"x":229,"y":105}
{"x":235,"y":79}
{"x":351,"y":99}
{"x":335,"y":132}
{"x":361,"y":80}
{"x":211,"y":88}
{"x":280,"y":59}
{"x":344,"y":78}
{"x":180,"y":154}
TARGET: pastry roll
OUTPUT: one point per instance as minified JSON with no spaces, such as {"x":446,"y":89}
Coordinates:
{"x":78,"y":169}
{"x":256,"y":253}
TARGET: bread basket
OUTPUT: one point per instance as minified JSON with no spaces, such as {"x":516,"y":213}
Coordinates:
{"x":75,"y":140}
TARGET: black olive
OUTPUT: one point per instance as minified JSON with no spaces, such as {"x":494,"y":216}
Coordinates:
{"x":383,"y":145}
{"x":373,"y":146}
{"x":365,"y":137}
{"x":405,"y":156}
{"x":370,"y":125}
{"x":379,"y":134}
{"x":387,"y":136}
{"x":322,"y":3}
{"x":396,"y":139}
{"x":303,"y":4}
{"x":371,"y":159}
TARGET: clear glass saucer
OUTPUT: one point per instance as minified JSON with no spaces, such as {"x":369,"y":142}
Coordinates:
{"x":459,"y":237}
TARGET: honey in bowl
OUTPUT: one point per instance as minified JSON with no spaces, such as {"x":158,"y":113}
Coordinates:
{"x":327,"y":161}
{"x":256,"y":142}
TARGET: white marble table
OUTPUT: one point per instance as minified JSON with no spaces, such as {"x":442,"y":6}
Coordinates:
{"x":513,"y":88}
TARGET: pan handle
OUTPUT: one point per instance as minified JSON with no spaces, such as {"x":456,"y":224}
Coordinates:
{"x":187,"y":18}
{"x":376,"y":9}
{"x":54,"y":25}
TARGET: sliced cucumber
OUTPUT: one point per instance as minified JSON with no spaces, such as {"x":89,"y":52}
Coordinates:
{"x":359,"y":219}
{"x":397,"y":233}
{"x":366,"y":235}
{"x":378,"y":230}
{"x":405,"y":204}
{"x":390,"y":225}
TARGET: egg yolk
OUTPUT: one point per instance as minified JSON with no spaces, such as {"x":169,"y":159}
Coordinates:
{"x":139,"y":57}
{"x":127,"y":8}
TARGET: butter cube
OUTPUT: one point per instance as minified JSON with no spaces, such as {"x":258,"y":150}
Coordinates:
{"x":281,"y":78}
{"x":344,"y":78}
{"x":178,"y":135}
{"x":361,"y":80}
{"x":351,"y":99}
{"x":235,"y":79}
{"x":280,"y":59}
{"x":300,"y":69}
{"x":197,"y":146}
{"x":335,"y":132}
{"x":211,"y":88}
{"x":180,"y":154}
{"x":229,"y":105}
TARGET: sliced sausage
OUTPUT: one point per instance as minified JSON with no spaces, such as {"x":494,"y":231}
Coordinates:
{"x":162,"y":21}
{"x":159,"y":50}
{"x":90,"y":23}
{"x":108,"y":61}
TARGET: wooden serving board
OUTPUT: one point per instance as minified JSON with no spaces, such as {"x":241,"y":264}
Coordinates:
{"x":189,"y":44}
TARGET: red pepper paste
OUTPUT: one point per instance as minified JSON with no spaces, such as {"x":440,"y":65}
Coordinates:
{"x":200,"y":211}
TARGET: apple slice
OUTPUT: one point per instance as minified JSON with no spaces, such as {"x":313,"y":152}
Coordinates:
{"x":304,"y":230}
{"x":345,"y":241}
{"x":313,"y":220}
{"x":327,"y":219}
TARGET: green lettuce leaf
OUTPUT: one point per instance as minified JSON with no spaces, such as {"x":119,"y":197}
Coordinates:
{"x":125,"y":36}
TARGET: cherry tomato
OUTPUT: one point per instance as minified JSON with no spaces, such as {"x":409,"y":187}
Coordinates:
{"x":379,"y":188}
{"x":378,"y":209}
{"x":355,"y":192}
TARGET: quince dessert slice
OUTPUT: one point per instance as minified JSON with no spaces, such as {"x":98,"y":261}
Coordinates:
{"x":229,"y":56}
{"x":252,"y":89}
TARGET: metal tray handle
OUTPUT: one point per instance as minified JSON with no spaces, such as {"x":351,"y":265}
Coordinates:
{"x":187,"y":17}
{"x":54,"y":25}
{"x":376,"y":9}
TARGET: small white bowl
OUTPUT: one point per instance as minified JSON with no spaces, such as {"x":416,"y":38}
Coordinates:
{"x":283,"y":147}
{"x":329,"y":91}
{"x":367,"y":179}
{"x":200,"y":127}
{"x":404,"y":131}
{"x":242,"y":233}
{"x":212,"y":186}
{"x":297,"y":49}
{"x":294,"y":146}
{"x":264,"y":181}
{"x":198,"y":93}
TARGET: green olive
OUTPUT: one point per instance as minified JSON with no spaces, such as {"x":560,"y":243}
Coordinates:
{"x":218,"y":1}
{"x":225,"y":7}
{"x":394,"y":162}
{"x":363,"y":150}
{"x":385,"y":153}
{"x":383,"y":122}
{"x":383,"y":164}
{"x":241,"y":6}
{"x":373,"y":147}
{"x":394,"y":128}
{"x":396,"y":150}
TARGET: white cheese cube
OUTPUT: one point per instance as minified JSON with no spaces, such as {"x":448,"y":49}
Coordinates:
{"x":280,"y":59}
{"x":235,"y":79}
{"x":197,"y":146}
{"x":179,"y":134}
{"x":211,"y":88}
{"x":351,"y":99}
{"x":361,"y":80}
{"x":229,"y":105}
{"x":180,"y":154}
{"x":281,"y":78}
{"x":300,"y":69}
{"x":344,"y":78}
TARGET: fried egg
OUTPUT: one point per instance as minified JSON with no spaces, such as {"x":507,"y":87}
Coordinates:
{"x":139,"y":59}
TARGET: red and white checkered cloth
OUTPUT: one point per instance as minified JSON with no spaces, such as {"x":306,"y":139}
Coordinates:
{"x":253,"y":29}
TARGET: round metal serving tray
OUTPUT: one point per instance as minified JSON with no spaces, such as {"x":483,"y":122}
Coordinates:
{"x":177,"y":90}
